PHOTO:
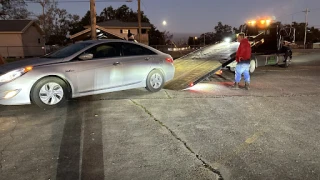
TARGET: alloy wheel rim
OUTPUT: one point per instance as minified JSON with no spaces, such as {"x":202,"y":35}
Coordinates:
{"x":51,"y":93}
{"x":156,"y":80}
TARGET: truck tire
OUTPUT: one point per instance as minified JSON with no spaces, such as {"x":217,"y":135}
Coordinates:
{"x":252,"y":66}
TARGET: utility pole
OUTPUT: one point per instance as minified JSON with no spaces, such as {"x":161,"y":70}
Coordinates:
{"x":93,"y":20}
{"x":43,"y":3}
{"x":306,"y":27}
{"x":139,"y":19}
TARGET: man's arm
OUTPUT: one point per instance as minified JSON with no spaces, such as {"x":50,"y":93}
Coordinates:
{"x":238,"y":53}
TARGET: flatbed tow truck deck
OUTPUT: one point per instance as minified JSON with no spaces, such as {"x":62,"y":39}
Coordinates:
{"x":200,"y":64}
{"x":266,"y":38}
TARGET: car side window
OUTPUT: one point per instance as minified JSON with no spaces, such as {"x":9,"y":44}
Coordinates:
{"x":130,"y":49}
{"x":107,"y":50}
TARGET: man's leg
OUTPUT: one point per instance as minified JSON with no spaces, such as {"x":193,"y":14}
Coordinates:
{"x":237,"y":76}
{"x":246,"y":75}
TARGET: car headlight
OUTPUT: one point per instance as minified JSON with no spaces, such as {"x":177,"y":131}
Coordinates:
{"x":14,"y":74}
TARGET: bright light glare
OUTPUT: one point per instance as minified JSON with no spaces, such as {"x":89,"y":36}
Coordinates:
{"x":164,"y":23}
{"x":228,"y":40}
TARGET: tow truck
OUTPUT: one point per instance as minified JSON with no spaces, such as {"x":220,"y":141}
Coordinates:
{"x":267,"y":42}
{"x":270,"y":43}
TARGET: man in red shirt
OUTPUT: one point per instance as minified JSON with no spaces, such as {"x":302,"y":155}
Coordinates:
{"x":243,"y":57}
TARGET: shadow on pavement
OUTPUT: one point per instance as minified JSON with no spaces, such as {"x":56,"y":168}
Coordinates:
{"x":81,"y":150}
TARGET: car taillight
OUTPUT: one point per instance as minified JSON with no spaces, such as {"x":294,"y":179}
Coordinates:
{"x":169,"y":60}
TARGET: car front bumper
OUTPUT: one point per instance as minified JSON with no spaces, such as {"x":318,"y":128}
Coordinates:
{"x":17,"y":93}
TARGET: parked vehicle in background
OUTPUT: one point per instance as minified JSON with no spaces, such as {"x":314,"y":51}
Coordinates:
{"x":82,"y":69}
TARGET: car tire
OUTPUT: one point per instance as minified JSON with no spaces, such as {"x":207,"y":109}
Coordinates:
{"x":155,"y":81}
{"x":49,"y":93}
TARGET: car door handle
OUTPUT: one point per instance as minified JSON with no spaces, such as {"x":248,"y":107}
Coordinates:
{"x":69,"y":70}
{"x":147,"y":58}
{"x":116,"y":63}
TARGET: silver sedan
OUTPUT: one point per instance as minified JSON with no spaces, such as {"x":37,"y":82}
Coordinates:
{"x":84,"y":68}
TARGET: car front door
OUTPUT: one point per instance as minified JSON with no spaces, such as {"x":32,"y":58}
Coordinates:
{"x":100,"y":73}
{"x":137,"y":63}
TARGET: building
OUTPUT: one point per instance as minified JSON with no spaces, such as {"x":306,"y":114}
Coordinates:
{"x":20,"y":39}
{"x":115,"y":29}
{"x":316,"y":45}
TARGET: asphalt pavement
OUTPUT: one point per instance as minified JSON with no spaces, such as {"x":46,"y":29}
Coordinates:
{"x":206,"y":132}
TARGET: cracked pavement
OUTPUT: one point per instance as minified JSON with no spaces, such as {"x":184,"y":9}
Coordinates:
{"x":206,"y":132}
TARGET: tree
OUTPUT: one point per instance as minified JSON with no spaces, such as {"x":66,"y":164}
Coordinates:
{"x":222,"y":31}
{"x":156,"y":37}
{"x":13,"y":9}
{"x":56,"y":22}
{"x":207,"y":38}
{"x":107,"y":14}
{"x":193,"y":41}
{"x":123,"y":13}
{"x":313,"y":34}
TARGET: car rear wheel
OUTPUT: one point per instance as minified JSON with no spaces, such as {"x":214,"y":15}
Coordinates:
{"x":49,"y":93}
{"x":155,"y":81}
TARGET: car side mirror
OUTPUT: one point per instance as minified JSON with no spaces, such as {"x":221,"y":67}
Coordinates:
{"x":86,"y":56}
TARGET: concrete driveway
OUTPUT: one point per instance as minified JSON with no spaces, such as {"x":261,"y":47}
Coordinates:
{"x":206,"y":132}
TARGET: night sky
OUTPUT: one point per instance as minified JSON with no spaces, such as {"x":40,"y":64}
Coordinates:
{"x":196,"y":16}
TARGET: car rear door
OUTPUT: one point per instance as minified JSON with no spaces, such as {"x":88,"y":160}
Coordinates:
{"x":137,"y":61}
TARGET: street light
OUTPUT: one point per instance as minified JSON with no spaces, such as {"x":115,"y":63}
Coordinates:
{"x":194,"y":40}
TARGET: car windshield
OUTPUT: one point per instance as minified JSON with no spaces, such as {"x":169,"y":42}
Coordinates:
{"x":68,"y":51}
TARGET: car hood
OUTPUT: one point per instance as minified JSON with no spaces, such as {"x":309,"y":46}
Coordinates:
{"x":27,"y":62}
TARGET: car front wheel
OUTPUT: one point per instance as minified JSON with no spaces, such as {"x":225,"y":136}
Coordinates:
{"x":155,"y":81}
{"x":49,"y":93}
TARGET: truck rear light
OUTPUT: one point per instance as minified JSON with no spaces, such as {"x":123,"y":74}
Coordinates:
{"x":169,"y":60}
{"x":219,"y":72}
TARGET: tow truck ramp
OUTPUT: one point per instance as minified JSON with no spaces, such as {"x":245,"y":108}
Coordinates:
{"x":200,"y":64}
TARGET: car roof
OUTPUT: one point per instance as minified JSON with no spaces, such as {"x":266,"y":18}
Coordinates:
{"x":100,"y":41}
